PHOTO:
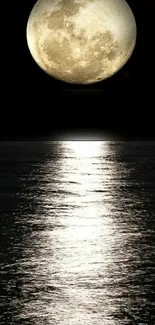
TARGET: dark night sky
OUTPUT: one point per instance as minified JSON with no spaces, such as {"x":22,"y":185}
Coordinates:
{"x":36,"y":104}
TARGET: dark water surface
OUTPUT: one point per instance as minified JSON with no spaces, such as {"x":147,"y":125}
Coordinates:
{"x":77,"y":233}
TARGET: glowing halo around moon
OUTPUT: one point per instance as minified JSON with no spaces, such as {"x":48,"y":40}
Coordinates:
{"x":81,"y":41}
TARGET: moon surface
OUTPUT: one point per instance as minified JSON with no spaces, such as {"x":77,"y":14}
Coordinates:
{"x":81,"y":41}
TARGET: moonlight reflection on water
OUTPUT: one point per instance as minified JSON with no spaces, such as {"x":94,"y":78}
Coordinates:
{"x":84,"y":239}
{"x":79,"y":236}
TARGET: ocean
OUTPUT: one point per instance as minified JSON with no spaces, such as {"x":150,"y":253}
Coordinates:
{"x":77,"y":232}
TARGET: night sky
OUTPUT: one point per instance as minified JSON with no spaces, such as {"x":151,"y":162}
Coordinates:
{"x":37,"y":105}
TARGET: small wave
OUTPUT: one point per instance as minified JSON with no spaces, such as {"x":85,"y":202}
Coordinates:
{"x":62,"y":192}
{"x":99,"y":191}
{"x":72,"y":182}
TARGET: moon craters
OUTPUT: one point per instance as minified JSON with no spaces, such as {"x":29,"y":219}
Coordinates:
{"x":81,"y":41}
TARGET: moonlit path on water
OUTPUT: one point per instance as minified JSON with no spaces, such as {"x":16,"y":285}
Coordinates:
{"x":77,"y":233}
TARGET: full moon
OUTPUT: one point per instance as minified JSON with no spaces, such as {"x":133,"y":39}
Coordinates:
{"x":81,"y":41}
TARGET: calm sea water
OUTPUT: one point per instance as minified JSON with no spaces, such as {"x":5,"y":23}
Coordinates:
{"x":77,"y":233}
